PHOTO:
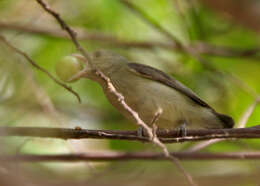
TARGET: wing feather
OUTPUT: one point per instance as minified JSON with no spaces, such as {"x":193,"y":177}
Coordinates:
{"x":159,"y":76}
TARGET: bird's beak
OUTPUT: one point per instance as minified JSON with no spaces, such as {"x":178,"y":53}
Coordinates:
{"x":80,"y":58}
{"x":78,"y":75}
{"x":83,"y":72}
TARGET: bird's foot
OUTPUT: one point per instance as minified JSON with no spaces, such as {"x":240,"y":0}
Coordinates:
{"x":140,"y":132}
{"x":182,"y":130}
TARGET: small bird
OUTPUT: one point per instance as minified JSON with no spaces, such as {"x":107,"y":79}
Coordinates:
{"x":147,"y":89}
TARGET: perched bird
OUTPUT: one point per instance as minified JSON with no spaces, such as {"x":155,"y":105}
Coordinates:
{"x":147,"y":89}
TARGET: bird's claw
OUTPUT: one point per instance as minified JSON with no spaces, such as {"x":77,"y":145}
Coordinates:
{"x":182,"y":130}
{"x":140,"y":132}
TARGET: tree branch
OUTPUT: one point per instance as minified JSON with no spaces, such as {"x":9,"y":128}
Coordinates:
{"x":165,"y":136}
{"x":34,"y":64}
{"x":64,"y":26}
{"x":126,"y":156}
{"x":83,"y":35}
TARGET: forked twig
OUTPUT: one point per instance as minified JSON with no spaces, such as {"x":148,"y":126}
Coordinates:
{"x":33,"y":63}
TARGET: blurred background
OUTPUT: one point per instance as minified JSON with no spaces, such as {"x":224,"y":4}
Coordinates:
{"x":224,"y":71}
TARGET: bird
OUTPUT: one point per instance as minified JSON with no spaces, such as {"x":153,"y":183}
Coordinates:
{"x":146,"y":89}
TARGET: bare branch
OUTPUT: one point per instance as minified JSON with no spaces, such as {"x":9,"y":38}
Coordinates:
{"x":83,"y":34}
{"x":224,"y":51}
{"x":189,"y":49}
{"x":242,"y":85}
{"x":165,"y":136}
{"x":181,"y":13}
{"x":245,"y":12}
{"x":127,"y":156}
{"x":146,"y":18}
{"x":249,"y":111}
{"x":203,"y":145}
{"x":64,"y":26}
{"x":34,"y":64}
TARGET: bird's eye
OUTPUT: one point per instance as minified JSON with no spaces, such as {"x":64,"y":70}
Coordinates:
{"x":97,"y":53}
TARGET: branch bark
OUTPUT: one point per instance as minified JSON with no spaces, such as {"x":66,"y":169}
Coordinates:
{"x":34,"y":64}
{"x":164,"y":136}
{"x":83,"y":35}
{"x":126,"y":156}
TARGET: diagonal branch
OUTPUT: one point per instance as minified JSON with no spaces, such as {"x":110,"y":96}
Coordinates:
{"x":249,"y":111}
{"x":64,"y":26}
{"x":146,"y":18}
{"x":83,"y":34}
{"x":33,"y":63}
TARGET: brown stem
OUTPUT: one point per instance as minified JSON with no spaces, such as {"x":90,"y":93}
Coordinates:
{"x":165,"y":136}
{"x":126,"y":156}
{"x":83,"y":34}
{"x":34,"y":64}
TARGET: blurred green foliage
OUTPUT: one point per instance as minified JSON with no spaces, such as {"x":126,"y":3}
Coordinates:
{"x":22,"y":102}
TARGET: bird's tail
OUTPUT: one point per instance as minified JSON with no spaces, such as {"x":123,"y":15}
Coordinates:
{"x":227,"y":121}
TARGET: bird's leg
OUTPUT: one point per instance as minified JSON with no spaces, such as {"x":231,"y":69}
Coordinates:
{"x":182,"y":130}
{"x":140,"y":132}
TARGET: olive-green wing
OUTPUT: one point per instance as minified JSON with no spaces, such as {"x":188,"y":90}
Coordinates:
{"x":159,"y":76}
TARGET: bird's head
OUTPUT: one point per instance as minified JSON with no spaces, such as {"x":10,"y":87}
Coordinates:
{"x":76,"y":66}
{"x":107,"y":61}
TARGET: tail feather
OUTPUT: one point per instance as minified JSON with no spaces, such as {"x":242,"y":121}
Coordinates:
{"x":228,"y":122}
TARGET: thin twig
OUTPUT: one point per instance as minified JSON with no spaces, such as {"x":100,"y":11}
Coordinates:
{"x":127,"y":156}
{"x":241,"y":84}
{"x":146,"y":18}
{"x":65,"y":27}
{"x":34,"y":64}
{"x":203,"y":145}
{"x":83,"y":34}
{"x":154,"y":120}
{"x":249,"y":111}
{"x":189,"y":49}
{"x":181,"y":12}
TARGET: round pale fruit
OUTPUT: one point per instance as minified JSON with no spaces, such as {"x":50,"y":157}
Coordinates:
{"x":67,"y":67}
